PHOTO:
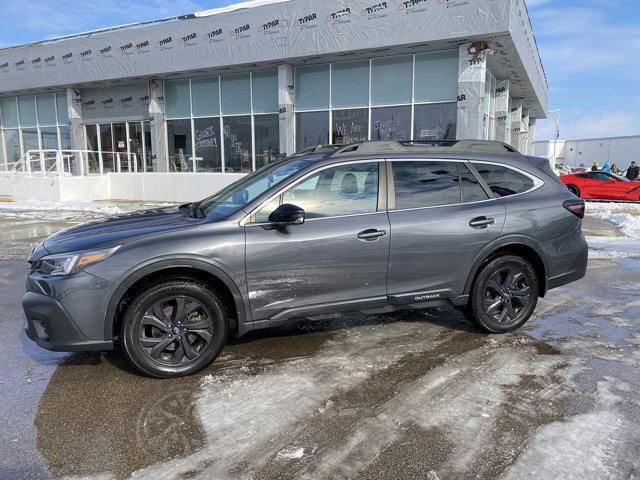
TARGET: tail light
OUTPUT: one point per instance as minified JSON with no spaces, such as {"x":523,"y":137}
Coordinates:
{"x":575,"y":206}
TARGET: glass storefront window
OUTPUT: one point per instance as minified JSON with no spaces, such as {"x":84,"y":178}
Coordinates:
{"x":205,"y":95}
{"x":46,"y":109}
{"x":63,"y":112}
{"x":208,"y":154}
{"x":436,"y":77}
{"x":265,"y":92}
{"x":350,"y":126}
{"x":106,"y":147}
{"x":350,"y":84}
{"x":176,"y":98}
{"x":391,"y":123}
{"x":312,"y":128}
{"x":150,"y":162}
{"x":136,"y":147}
{"x":312,"y":87}
{"x":27,"y":110}
{"x":267,"y":135}
{"x":179,"y":145}
{"x":9,"y":112}
{"x":435,"y":121}
{"x":49,"y":138}
{"x":391,"y":80}
{"x":236,"y":94}
{"x":91,"y":136}
{"x":65,"y":138}
{"x":12,"y":145}
{"x":237,"y":144}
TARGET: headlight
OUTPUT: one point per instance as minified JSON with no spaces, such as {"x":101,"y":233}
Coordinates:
{"x":70,"y":263}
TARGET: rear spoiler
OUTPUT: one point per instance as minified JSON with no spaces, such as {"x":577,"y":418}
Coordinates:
{"x":544,"y":165}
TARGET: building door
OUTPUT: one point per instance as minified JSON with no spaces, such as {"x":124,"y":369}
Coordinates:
{"x":121,"y":148}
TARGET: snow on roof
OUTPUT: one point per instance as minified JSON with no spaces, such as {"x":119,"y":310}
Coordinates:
{"x":237,"y":6}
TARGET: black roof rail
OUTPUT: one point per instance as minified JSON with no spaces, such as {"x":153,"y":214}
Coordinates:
{"x":318,"y":149}
{"x":438,"y":146}
{"x":408,"y":146}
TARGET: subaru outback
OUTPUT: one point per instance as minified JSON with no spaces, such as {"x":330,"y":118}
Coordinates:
{"x":371,"y":227}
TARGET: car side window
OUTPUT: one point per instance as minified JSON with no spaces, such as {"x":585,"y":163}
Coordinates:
{"x":425,"y":184}
{"x":503,"y":181}
{"x":472,"y":191}
{"x":342,"y":190}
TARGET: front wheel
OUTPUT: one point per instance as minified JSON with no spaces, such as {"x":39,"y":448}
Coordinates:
{"x":173,"y":329}
{"x":504,"y":295}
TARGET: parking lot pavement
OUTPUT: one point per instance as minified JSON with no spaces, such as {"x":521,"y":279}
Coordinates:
{"x":415,"y":394}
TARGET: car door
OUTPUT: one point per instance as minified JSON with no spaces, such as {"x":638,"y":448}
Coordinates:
{"x":337,"y":259}
{"x":441,"y":218}
{"x":598,"y":186}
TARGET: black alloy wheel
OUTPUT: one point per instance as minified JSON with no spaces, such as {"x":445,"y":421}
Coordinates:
{"x":174,"y":328}
{"x":507,"y":294}
{"x":504,"y":294}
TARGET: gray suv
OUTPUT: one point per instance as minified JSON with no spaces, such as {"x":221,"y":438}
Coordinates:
{"x":372,"y":227}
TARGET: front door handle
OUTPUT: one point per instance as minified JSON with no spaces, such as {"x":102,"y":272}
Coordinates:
{"x":371,"y":234}
{"x":482,"y":222}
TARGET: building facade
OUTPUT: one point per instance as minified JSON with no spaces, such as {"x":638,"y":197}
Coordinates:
{"x":231,"y":90}
{"x":576,"y":153}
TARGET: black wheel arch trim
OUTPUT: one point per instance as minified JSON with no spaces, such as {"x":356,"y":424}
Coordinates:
{"x":509,"y":241}
{"x":158,"y":265}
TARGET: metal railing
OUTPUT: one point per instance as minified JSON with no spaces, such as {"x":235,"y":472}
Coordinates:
{"x":75,"y":162}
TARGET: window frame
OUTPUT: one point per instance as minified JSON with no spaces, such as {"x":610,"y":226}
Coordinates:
{"x":537,"y":182}
{"x":381,"y":207}
{"x":391,"y":194}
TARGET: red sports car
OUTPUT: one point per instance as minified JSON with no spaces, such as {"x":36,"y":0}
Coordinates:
{"x":602,"y":186}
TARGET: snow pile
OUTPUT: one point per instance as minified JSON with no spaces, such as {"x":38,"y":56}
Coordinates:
{"x":40,"y":209}
{"x":626,"y":216}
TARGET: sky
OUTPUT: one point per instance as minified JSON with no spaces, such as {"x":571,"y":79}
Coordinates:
{"x":590,"y":50}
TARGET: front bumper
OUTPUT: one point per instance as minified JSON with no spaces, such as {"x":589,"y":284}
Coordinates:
{"x":51,"y":327}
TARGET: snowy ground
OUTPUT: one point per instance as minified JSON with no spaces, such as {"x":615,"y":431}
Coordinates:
{"x":415,"y":394}
{"x":626,"y":216}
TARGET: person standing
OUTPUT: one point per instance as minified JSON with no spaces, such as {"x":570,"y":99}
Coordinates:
{"x":633,"y":172}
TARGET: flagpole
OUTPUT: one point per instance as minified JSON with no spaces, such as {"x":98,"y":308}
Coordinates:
{"x":555,"y":142}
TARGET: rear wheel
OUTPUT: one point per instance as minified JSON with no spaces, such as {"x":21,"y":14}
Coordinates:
{"x":504,"y":295}
{"x":174,"y":329}
{"x":573,"y":189}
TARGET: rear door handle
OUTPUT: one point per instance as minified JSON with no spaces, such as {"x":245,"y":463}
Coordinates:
{"x":482,"y":222}
{"x":371,"y":234}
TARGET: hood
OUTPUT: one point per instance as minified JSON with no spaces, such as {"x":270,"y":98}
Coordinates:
{"x":119,"y":229}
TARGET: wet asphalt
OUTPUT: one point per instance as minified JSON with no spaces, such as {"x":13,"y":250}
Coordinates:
{"x":417,"y":394}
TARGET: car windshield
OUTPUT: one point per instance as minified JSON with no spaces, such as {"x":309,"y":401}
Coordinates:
{"x":234,"y":197}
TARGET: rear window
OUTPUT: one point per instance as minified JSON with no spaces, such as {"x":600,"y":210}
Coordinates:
{"x":502,"y":180}
{"x":425,"y":184}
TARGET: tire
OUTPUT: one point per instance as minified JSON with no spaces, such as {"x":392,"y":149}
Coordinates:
{"x":575,"y":190}
{"x":174,"y":329}
{"x":500,"y":303}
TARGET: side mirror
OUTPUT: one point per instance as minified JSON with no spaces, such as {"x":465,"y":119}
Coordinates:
{"x":287,"y":214}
